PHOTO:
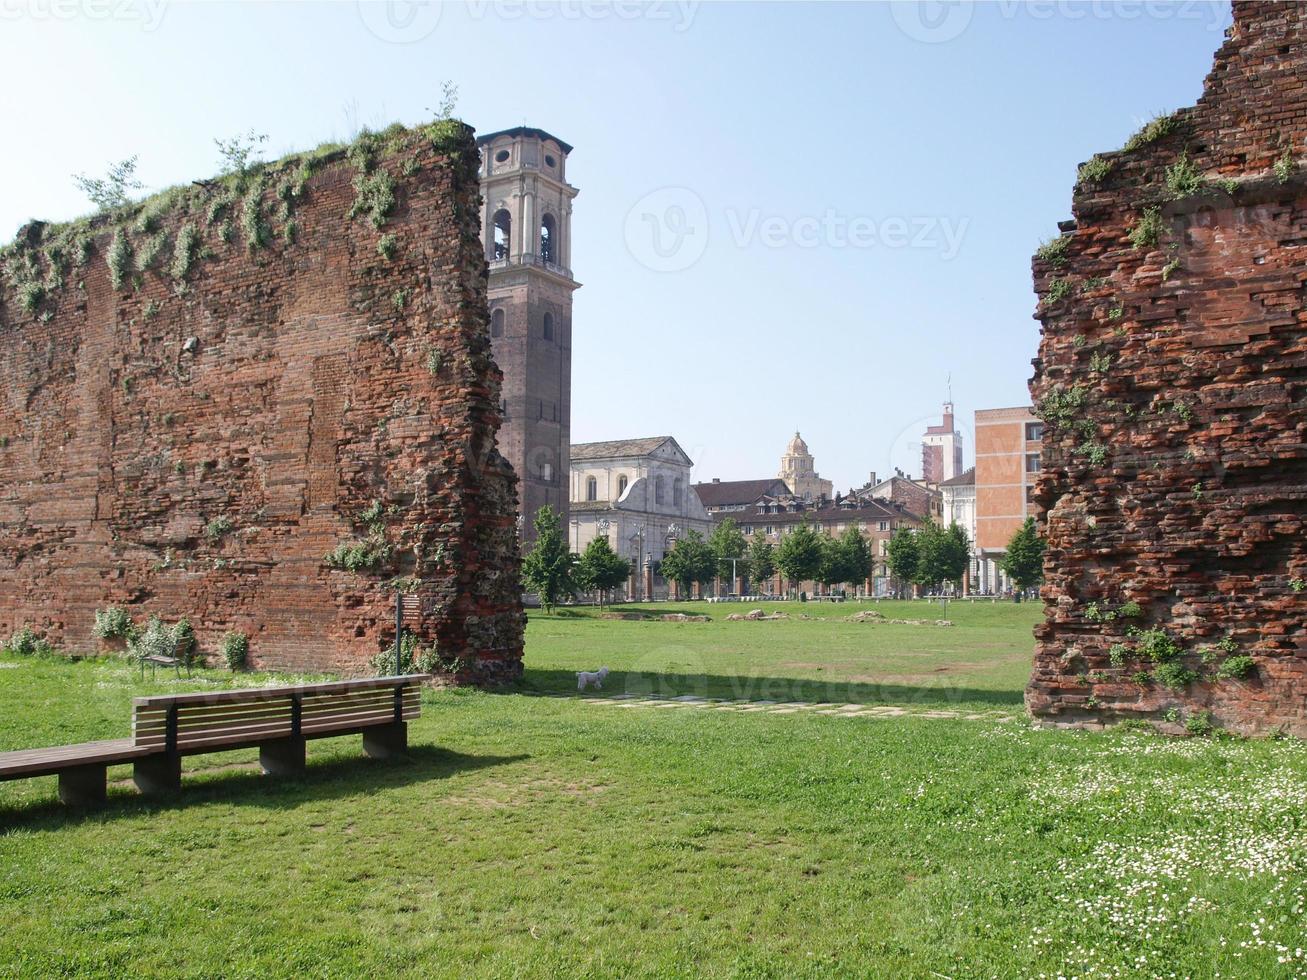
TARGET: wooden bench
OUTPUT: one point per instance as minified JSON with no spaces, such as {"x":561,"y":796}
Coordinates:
{"x":276,"y":720}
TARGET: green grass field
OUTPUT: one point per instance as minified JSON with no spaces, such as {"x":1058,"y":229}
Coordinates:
{"x":547,"y":836}
{"x":981,"y":662}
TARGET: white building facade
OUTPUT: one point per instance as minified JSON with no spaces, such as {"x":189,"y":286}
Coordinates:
{"x":636,"y":493}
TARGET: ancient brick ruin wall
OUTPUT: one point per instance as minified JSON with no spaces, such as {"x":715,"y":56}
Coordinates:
{"x":1173,"y":377}
{"x":194,"y":441}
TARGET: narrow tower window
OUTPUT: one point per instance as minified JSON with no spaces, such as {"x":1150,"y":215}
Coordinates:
{"x":591,"y":488}
{"x":547,"y":227}
{"x":621,"y":485}
{"x":497,"y":323}
{"x":549,"y":326}
{"x":503,"y":234}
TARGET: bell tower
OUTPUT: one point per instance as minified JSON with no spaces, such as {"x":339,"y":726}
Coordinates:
{"x":526,"y":225}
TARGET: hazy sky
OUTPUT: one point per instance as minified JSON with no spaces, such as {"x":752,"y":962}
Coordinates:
{"x":791,"y":215}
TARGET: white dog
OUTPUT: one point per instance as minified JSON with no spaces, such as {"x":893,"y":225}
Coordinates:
{"x":587,"y":677}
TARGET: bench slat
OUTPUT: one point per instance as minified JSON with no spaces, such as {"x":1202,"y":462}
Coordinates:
{"x":265,"y":693}
{"x":46,"y":762}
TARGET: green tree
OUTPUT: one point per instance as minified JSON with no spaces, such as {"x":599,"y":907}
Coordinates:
{"x":690,"y":560}
{"x":761,"y":560}
{"x":903,"y":555}
{"x":549,"y":567}
{"x":600,"y":568}
{"x":799,"y":554}
{"x":855,"y":556}
{"x":1024,"y":561}
{"x":727,"y":541}
{"x":943,"y":554}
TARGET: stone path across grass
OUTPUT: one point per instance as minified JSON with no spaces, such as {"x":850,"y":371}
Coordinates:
{"x":838,"y":710}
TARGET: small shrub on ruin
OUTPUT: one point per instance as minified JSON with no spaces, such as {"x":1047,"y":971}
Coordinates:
{"x":1054,"y":251}
{"x":118,"y":258}
{"x":1298,"y":584}
{"x":1199,"y":723}
{"x":1099,"y":362}
{"x":218,"y":527}
{"x":1183,"y":179}
{"x":1058,"y":289}
{"x":1094,"y":170}
{"x":1233,"y":668}
{"x":239,"y":153}
{"x":1148,"y":231}
{"x":387,"y":245}
{"x":375,"y":197}
{"x":114,"y":188}
{"x":434,"y":360}
{"x":149,"y":250}
{"x":1155,"y":129}
{"x":1169,"y":269}
{"x":1285,"y":166}
{"x":114,"y":623}
{"x":1156,"y":645}
{"x":1130,"y":610}
{"x":235,"y":650}
{"x":1174,"y":676}
{"x":183,"y":251}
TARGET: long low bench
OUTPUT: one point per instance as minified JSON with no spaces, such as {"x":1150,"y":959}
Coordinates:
{"x":277,"y":720}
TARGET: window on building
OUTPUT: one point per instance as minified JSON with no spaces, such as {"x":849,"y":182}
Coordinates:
{"x":591,"y":488}
{"x":1032,"y":462}
{"x":547,"y":240}
{"x":676,"y":492}
{"x":748,"y":530}
{"x":884,"y":525}
{"x":497,"y":323}
{"x":503,"y":234}
{"x":769,"y":531}
{"x":621,"y":484}
{"x":549,"y":326}
{"x":1034,"y":431}
{"x":658,"y":490}
{"x":546,"y":471}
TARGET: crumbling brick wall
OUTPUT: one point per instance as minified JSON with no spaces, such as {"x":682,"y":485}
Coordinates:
{"x":1172,"y":375}
{"x":206,"y":394}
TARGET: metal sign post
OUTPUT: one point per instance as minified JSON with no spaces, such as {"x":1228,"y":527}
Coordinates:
{"x":399,"y":628}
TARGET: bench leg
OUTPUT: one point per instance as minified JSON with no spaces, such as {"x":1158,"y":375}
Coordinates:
{"x":158,"y":773}
{"x":83,"y":785}
{"x":284,"y":757}
{"x":385,"y":741}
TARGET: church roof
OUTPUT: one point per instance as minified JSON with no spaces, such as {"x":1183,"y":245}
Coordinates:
{"x":621,"y":447}
{"x":966,"y":479}
{"x":517,"y":131}
{"x":725,"y":493}
{"x":797,"y":446}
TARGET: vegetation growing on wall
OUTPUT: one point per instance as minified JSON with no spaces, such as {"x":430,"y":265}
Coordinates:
{"x":133,"y":237}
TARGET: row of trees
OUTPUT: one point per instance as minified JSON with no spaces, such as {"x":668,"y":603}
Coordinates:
{"x":552,"y":571}
{"x":928,"y":556}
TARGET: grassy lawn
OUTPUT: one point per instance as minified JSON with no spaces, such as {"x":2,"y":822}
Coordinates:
{"x":981,"y":662}
{"x":531,"y":836}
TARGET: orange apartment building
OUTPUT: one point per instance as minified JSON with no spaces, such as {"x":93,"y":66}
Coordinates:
{"x":1008,"y":442}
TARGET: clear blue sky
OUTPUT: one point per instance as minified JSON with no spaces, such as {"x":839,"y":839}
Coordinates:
{"x":953,"y":127}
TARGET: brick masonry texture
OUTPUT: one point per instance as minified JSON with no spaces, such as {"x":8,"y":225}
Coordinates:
{"x":1171,"y":375}
{"x":194,"y":442}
